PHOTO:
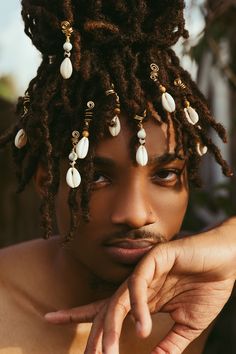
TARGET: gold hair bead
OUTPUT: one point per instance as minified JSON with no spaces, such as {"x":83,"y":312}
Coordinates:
{"x":85,"y":134}
{"x":179,"y":82}
{"x":162,"y":89}
{"x":117,"y":110}
{"x":66,"y":28}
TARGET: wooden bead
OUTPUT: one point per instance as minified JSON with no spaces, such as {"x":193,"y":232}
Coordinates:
{"x":117,"y":110}
{"x":85,"y":133}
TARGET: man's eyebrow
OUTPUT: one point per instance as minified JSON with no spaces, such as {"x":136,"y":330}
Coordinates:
{"x":103,"y":161}
{"x":165,"y":158}
{"x":154,"y":160}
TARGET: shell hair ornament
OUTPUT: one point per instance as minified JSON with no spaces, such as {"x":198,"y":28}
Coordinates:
{"x":191,"y":116}
{"x":190,"y":113}
{"x":80,"y":148}
{"x":114,"y":125}
{"x":21,"y":136}
{"x":201,"y":149}
{"x":167,"y":100}
{"x":83,"y":145}
{"x":66,"y":68}
{"x":141,"y":153}
{"x":73,"y":177}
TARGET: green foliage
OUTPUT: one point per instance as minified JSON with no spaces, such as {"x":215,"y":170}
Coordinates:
{"x":7,"y":89}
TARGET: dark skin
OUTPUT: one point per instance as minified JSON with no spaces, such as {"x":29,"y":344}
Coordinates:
{"x":179,"y":293}
{"x":128,"y":201}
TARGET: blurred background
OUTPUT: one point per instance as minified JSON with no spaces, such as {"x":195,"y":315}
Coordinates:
{"x":209,"y":54}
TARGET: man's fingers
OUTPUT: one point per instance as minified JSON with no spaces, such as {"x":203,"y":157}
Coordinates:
{"x":117,"y":310}
{"x":94,"y":343}
{"x":176,"y":340}
{"x":138,"y":291}
{"x":80,"y":314}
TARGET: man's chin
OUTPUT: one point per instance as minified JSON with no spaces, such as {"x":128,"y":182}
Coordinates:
{"x":113,"y":278}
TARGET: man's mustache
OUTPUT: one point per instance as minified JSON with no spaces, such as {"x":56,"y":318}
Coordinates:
{"x":154,"y":237}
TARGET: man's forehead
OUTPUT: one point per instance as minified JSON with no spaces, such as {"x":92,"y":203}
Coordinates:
{"x":159,"y":141}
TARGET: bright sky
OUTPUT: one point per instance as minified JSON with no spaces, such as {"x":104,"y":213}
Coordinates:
{"x":19,"y":59}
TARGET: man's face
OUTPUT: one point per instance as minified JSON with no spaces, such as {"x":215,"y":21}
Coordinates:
{"x":131,"y":207}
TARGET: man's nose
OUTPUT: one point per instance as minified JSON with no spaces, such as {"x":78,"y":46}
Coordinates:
{"x":133,"y":207}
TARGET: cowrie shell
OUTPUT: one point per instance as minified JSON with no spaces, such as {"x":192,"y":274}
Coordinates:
{"x":168,"y":102}
{"x":20,"y":139}
{"x":115,"y":127}
{"x":66,"y":68}
{"x":191,"y":115}
{"x":82,"y":148}
{"x":142,"y":156}
{"x":201,"y":150}
{"x":73,"y":177}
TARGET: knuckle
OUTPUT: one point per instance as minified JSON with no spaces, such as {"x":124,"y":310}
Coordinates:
{"x":93,"y":348}
{"x":123,"y":307}
{"x":113,"y":335}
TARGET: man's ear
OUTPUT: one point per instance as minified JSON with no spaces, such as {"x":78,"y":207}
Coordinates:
{"x":40,"y":178}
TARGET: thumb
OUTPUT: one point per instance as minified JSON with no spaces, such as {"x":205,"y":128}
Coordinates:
{"x":81,"y":314}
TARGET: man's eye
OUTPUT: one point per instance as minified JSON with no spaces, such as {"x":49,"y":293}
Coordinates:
{"x":167,"y":175}
{"x":100,"y":179}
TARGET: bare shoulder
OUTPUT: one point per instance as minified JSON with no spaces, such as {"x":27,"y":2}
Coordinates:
{"x":21,"y":270}
{"x":23,"y":295}
{"x":18,"y":263}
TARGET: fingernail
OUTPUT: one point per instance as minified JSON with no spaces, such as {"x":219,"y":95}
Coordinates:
{"x":49,"y":315}
{"x":111,"y":350}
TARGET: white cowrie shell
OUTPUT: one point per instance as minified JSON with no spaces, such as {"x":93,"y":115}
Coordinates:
{"x":191,"y":115}
{"x":115,"y":127}
{"x":142,"y":156}
{"x":168,"y":102}
{"x":66,"y":68}
{"x":20,"y":139}
{"x":82,"y":148}
{"x":201,"y":150}
{"x":73,"y":178}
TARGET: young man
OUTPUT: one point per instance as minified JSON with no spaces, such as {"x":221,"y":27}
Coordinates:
{"x":132,"y":209}
{"x":113,"y":133}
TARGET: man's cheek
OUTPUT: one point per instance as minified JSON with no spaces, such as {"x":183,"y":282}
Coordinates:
{"x":175,"y":216}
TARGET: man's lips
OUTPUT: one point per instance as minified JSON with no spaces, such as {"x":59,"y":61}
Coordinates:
{"x":130,"y":243}
{"x":128,"y":251}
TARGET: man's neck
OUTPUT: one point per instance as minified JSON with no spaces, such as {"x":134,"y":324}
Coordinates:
{"x":78,"y":284}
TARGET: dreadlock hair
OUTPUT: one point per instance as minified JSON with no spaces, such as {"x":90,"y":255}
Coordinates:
{"x":113,"y":42}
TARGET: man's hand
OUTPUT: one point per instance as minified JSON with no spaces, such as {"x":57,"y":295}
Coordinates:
{"x":191,"y":279}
